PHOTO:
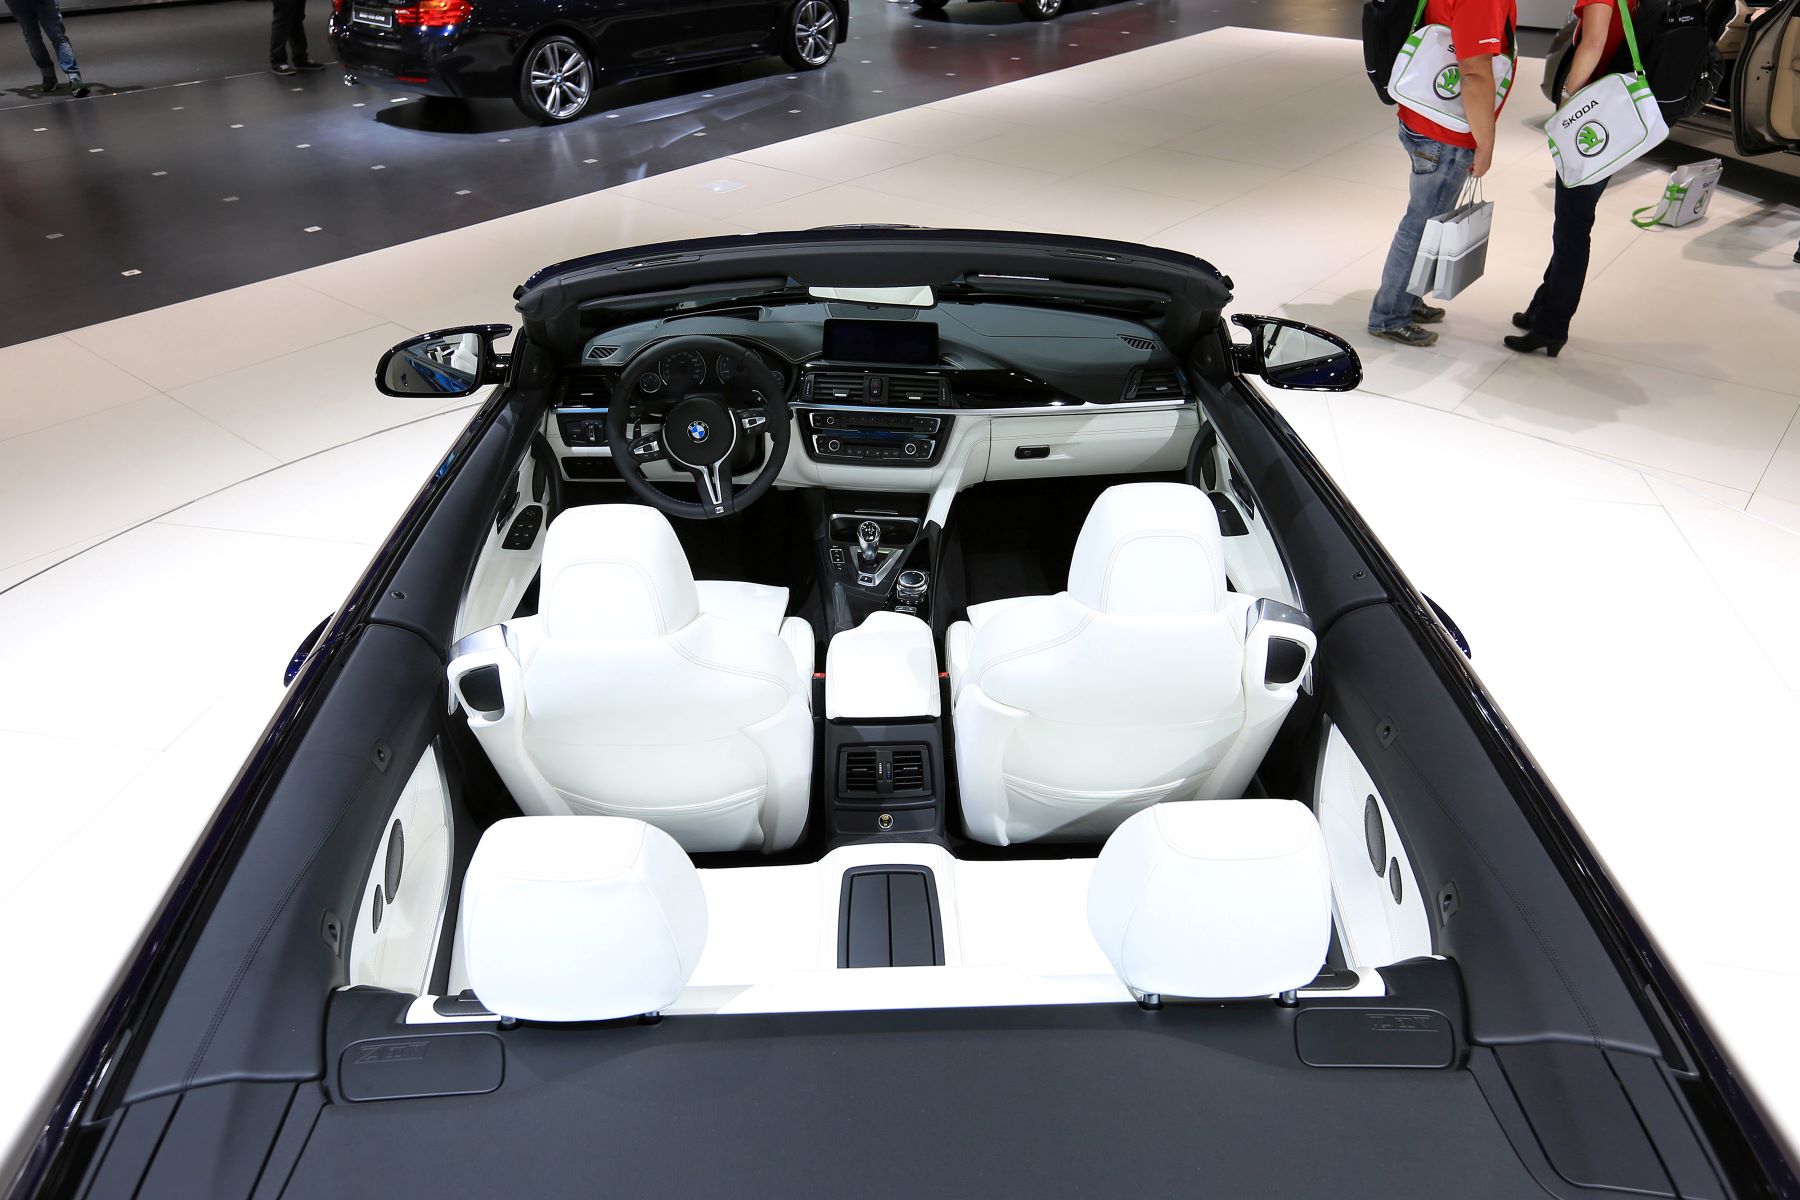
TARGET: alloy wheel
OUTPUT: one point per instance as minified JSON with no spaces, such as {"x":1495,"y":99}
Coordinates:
{"x":1041,"y":10}
{"x":815,"y":31}
{"x":561,"y":78}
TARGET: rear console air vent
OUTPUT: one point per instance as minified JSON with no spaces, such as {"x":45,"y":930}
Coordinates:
{"x":596,"y":353}
{"x":837,"y":387}
{"x":1155,"y":383}
{"x":879,"y":773}
{"x":1138,"y":343}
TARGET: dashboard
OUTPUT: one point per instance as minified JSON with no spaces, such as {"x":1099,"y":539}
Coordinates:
{"x":882,"y":393}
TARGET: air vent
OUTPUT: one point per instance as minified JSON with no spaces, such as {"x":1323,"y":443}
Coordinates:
{"x":1138,"y":343}
{"x":596,"y":353}
{"x":1155,"y":383}
{"x":909,"y":770}
{"x":884,"y":773}
{"x":920,"y":391}
{"x":862,"y":771}
{"x":837,"y":387}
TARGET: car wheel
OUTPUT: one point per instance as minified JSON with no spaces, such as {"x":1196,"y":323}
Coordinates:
{"x":1040,"y":10}
{"x":556,"y":80}
{"x":812,"y":35}
{"x":932,"y":5}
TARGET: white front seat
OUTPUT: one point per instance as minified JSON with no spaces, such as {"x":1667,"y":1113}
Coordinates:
{"x":1148,"y":680}
{"x":636,"y":693}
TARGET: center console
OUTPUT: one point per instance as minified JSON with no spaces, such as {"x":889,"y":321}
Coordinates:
{"x":877,"y":554}
{"x":882,"y":752}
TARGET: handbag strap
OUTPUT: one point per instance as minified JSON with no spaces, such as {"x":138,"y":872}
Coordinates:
{"x":1418,"y":15}
{"x":1637,"y":61}
{"x":1672,"y":197}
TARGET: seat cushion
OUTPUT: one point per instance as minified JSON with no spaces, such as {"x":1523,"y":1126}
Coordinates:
{"x":757,"y":605}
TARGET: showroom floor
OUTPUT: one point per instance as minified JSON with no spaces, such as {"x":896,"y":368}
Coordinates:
{"x":1618,"y":531}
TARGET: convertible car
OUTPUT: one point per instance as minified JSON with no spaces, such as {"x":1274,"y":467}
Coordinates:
{"x":892,"y":712}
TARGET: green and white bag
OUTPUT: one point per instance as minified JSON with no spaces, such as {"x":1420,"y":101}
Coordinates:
{"x":1684,"y":200}
{"x":1608,"y":124}
{"x":1428,"y":80}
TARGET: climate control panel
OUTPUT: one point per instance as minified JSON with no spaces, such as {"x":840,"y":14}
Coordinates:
{"x":880,"y":439}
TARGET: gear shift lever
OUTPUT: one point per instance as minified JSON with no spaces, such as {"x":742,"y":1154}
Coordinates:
{"x":868,"y":544}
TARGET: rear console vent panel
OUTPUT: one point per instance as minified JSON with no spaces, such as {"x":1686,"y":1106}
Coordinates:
{"x":882,"y":773}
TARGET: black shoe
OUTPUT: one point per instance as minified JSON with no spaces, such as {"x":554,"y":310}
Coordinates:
{"x":307,"y":64}
{"x":79,"y":88}
{"x":1425,"y":314}
{"x":281,"y":68}
{"x":1407,"y":335}
{"x":1530,"y":342}
{"x":49,"y":83}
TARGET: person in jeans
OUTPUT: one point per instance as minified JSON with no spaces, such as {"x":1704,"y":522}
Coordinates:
{"x":1442,"y":159}
{"x":1600,"y":37}
{"x":287,"y":39}
{"x":40,"y":19}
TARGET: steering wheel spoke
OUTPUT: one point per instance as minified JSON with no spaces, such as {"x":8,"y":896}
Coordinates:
{"x":649,"y":449}
{"x":715,"y":485}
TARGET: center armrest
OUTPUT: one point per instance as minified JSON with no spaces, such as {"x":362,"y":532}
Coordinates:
{"x":884,"y":669}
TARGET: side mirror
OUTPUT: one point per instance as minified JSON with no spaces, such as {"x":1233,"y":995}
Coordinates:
{"x":1297,"y":357}
{"x":450,"y":362}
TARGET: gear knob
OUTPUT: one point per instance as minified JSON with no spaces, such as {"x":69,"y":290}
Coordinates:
{"x":868,"y":542}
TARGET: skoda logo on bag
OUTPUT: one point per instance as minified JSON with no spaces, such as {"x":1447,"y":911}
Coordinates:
{"x":1448,"y":84}
{"x":1590,"y":139}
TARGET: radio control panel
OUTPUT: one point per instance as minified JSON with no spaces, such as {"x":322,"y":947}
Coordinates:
{"x":882,"y":439}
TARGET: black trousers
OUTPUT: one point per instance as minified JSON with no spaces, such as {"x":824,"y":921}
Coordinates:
{"x":287,"y":36}
{"x":1570,"y":246}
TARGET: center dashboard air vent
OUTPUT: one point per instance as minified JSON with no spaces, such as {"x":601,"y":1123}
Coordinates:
{"x":1155,"y":383}
{"x":837,"y":387}
{"x":917,"y":391}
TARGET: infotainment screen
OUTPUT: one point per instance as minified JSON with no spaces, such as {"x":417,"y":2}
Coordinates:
{"x":911,"y":342}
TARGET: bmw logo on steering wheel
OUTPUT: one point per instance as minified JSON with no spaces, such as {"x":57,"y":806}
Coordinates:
{"x":697,"y":430}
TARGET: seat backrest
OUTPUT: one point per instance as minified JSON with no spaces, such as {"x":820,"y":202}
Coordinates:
{"x":580,"y":919}
{"x":1145,"y":681}
{"x":1215,"y":899}
{"x":622,"y":698}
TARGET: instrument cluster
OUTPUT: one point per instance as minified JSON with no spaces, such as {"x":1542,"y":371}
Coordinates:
{"x":682,"y":371}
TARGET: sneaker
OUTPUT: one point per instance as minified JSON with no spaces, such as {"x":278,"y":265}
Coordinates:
{"x":49,"y":83}
{"x":76,"y":86}
{"x":1407,"y":335}
{"x":307,"y":64}
{"x":1425,"y":314}
{"x":281,"y":68}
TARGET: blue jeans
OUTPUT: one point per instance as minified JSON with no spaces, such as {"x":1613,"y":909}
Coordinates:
{"x":1438,"y":174}
{"x":40,"y":19}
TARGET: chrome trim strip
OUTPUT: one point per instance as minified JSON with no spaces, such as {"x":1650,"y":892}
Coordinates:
{"x":1033,"y":411}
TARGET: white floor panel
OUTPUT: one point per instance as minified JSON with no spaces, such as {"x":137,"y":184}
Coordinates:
{"x":1637,"y":632}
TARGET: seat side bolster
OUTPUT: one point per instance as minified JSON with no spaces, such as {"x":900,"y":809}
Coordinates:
{"x":1278,"y":652}
{"x":500,"y":731}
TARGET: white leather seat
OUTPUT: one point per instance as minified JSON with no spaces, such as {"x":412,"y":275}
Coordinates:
{"x":636,"y":693}
{"x":1214,"y":899}
{"x":580,"y":919}
{"x":1146,"y":681}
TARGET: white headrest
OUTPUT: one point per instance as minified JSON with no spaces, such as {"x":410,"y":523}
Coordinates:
{"x":1215,"y":899}
{"x":580,"y":918}
{"x":1150,"y":549}
{"x":615,"y":572}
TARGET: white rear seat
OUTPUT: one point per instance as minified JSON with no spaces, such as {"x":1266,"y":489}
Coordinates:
{"x":580,"y":918}
{"x":1214,"y":899}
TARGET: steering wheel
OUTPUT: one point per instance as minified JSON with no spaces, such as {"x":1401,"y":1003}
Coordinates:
{"x":702,"y":423}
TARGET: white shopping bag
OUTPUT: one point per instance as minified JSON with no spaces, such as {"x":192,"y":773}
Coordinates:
{"x":1424,"y":269}
{"x":1463,"y":245}
{"x":1427,"y":79}
{"x":1684,"y":199}
{"x":1609,"y":123}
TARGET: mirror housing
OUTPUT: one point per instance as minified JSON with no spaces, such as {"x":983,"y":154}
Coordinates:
{"x":1297,"y":357}
{"x":445,"y":363}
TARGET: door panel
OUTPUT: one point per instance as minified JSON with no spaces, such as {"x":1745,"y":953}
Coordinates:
{"x":1766,"y":89}
{"x":724,"y":29}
